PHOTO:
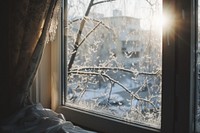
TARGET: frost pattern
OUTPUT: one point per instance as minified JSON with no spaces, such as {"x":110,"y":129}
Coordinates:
{"x":115,"y":60}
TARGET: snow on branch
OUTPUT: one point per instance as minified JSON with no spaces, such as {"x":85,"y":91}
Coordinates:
{"x":134,"y":72}
{"x":72,"y":21}
{"x":91,"y":19}
{"x":89,"y":34}
{"x":100,"y":2}
{"x":113,"y":81}
{"x":104,"y":1}
{"x":151,"y":3}
{"x":78,"y":38}
{"x":95,"y":20}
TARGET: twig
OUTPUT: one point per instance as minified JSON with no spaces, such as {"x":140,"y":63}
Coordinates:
{"x":109,"y":96}
{"x":102,"y":2}
{"x":89,"y":34}
{"x":135,"y":73}
{"x":75,"y":20}
{"x":82,"y":93}
{"x":95,"y":20}
{"x":78,"y":37}
{"x":149,"y":3}
{"x":88,"y":18}
{"x":141,"y":87}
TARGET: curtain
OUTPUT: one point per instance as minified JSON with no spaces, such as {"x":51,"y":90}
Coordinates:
{"x":32,"y":23}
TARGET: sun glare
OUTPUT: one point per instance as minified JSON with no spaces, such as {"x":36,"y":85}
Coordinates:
{"x":161,"y":22}
{"x":165,"y":21}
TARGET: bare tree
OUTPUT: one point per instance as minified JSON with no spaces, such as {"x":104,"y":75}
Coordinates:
{"x":111,"y":71}
{"x":77,"y":44}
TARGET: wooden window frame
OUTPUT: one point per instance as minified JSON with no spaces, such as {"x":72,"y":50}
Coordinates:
{"x":178,"y":75}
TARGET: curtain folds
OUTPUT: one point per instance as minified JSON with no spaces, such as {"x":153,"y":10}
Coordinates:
{"x":33,"y":23}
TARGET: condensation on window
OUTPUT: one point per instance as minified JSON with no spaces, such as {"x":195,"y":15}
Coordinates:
{"x":114,"y":59}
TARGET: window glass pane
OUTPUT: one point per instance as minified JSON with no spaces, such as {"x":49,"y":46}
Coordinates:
{"x":114,"y":58}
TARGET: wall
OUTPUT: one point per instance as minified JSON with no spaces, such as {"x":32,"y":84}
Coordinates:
{"x":46,"y":86}
{"x":56,"y":70}
{"x":41,"y":89}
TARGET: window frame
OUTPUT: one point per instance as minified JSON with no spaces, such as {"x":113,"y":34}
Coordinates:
{"x":177,"y":100}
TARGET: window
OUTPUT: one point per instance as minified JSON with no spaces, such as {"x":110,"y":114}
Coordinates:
{"x":100,"y":78}
{"x":131,"y":49}
{"x":105,"y":85}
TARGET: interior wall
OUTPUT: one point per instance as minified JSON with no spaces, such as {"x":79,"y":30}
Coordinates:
{"x":44,"y":78}
{"x":46,"y":86}
{"x":56,"y":70}
{"x":41,"y":88}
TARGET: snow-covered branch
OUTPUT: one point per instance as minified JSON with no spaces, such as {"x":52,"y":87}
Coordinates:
{"x":100,"y":2}
{"x":89,"y":33}
{"x":134,"y":72}
{"x":98,"y":21}
{"x":78,"y":37}
{"x":89,"y":19}
{"x":73,"y":21}
{"x":113,"y":81}
{"x":148,"y":1}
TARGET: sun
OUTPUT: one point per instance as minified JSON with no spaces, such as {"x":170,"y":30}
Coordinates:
{"x":165,"y":21}
{"x":161,"y":21}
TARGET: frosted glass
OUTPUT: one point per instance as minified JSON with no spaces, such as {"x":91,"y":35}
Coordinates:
{"x":114,"y":58}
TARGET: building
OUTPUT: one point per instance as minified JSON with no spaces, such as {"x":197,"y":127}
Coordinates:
{"x":119,"y":36}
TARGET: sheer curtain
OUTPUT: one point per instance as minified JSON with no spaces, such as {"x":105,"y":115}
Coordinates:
{"x":32,"y":23}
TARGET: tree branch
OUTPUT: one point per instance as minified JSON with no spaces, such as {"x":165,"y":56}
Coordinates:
{"x":88,"y":18}
{"x":89,"y":34}
{"x":82,"y":24}
{"x":95,"y":20}
{"x":150,"y":3}
{"x":81,"y":28}
{"x":135,"y":73}
{"x":132,"y":94}
{"x":102,"y":2}
{"x":75,"y":20}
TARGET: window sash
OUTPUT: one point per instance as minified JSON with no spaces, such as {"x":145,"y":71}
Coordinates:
{"x":177,"y":74}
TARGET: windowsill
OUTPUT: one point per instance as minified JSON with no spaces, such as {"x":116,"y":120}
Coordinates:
{"x":91,"y":121}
